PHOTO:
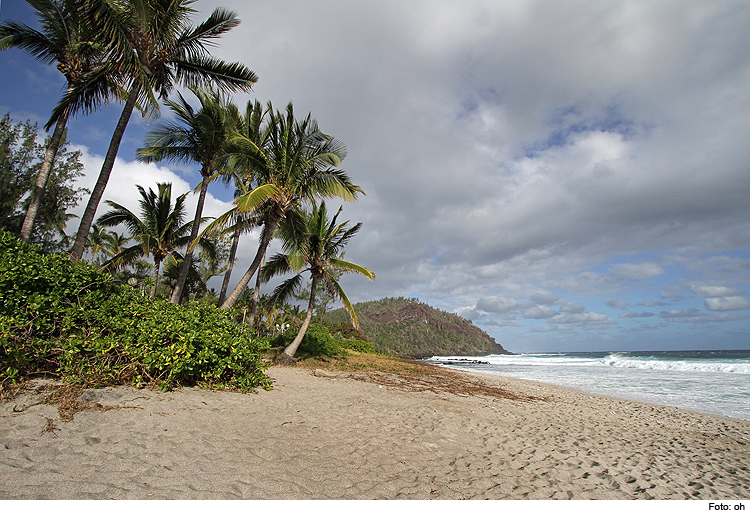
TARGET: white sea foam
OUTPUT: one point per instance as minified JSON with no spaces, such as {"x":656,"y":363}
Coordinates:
{"x":715,"y":382}
{"x":652,"y":363}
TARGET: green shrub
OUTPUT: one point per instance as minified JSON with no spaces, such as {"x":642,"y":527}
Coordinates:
{"x":358,"y":345}
{"x":317,"y":342}
{"x":69,"y":320}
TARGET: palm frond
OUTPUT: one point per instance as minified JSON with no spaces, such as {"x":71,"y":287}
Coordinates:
{"x":220,"y":21}
{"x":257,"y":197}
{"x":275,"y":266}
{"x":339,"y":292}
{"x":205,"y":71}
{"x":351,"y":266}
{"x":284,"y":291}
{"x":19,"y":35}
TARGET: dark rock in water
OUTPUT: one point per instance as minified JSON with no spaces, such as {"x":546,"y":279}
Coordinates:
{"x":462,"y":361}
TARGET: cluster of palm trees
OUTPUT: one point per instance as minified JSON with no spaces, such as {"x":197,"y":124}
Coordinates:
{"x":282,"y":167}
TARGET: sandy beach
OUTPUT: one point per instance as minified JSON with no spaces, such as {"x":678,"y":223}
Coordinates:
{"x":337,"y":435}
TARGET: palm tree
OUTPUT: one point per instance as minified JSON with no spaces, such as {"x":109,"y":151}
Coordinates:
{"x":291,"y":315}
{"x":114,"y":244}
{"x":156,"y":48}
{"x":313,"y":243}
{"x":242,"y":223}
{"x":199,"y":135}
{"x":66,"y":38}
{"x":293,"y":163}
{"x":159,"y":231}
{"x":250,"y":125}
{"x":96,"y":241}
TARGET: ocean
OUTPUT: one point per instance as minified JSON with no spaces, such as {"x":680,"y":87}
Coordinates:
{"x":709,"y":381}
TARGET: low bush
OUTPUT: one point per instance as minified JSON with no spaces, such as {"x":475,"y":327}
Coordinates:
{"x":317,"y":342}
{"x":357,"y":344}
{"x":69,"y":320}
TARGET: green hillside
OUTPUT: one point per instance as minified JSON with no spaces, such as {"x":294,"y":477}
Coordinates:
{"x":412,"y":329}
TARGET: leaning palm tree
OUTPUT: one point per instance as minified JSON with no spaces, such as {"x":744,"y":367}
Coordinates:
{"x":240,"y":223}
{"x":155,"y":47}
{"x":316,"y":244}
{"x":68,"y":39}
{"x":159,"y":231}
{"x":294,"y":164}
{"x":199,"y":135}
{"x":249,"y":125}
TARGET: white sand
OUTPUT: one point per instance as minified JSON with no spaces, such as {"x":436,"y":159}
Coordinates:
{"x":320,"y":437}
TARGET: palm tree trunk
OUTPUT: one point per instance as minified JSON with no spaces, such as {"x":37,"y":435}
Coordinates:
{"x":155,"y":277}
{"x":256,"y":297}
{"x":259,"y":256}
{"x":188,"y":260}
{"x":287,"y":357}
{"x":41,"y":180}
{"x":96,"y":195}
{"x":230,"y":264}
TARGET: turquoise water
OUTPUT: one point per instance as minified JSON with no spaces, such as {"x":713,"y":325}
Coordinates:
{"x":710,"y":381}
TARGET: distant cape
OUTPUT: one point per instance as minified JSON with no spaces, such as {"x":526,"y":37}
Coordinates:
{"x":412,"y":329}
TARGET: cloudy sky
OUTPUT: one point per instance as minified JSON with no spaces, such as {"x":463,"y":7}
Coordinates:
{"x":568,"y":175}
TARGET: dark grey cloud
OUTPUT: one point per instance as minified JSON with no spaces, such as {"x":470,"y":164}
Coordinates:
{"x":632,"y":315}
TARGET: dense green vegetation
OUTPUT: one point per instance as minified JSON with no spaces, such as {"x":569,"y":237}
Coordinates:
{"x":69,"y":320}
{"x":410,"y":328}
{"x":316,"y":342}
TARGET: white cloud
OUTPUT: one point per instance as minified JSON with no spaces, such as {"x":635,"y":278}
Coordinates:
{"x":644,"y":270}
{"x":723,"y":304}
{"x":539,"y":312}
{"x":715,"y":291}
{"x":587,"y":318}
{"x":546,"y":300}
{"x":552,"y":328}
{"x":573,"y":308}
{"x":498,"y":305}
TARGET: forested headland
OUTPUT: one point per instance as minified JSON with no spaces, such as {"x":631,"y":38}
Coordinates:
{"x":412,"y":329}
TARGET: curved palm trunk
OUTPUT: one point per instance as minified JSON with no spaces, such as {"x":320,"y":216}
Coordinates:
{"x":41,"y":180}
{"x":96,"y":195}
{"x":177,"y":293}
{"x":287,"y":357}
{"x":155,"y":277}
{"x":230,"y":264}
{"x":256,"y":297}
{"x":259,"y":256}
